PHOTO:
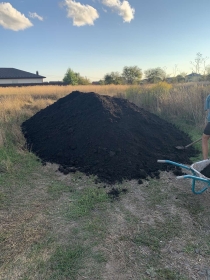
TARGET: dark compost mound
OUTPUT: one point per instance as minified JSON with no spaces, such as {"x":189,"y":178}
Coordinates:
{"x":105,"y":136}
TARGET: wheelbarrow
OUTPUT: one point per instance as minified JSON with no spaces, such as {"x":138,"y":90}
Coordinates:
{"x":195,"y":169}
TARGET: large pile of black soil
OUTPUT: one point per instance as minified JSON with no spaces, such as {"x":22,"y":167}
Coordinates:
{"x":105,"y":136}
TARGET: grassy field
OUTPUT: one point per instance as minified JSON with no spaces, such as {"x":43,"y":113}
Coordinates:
{"x":55,"y":226}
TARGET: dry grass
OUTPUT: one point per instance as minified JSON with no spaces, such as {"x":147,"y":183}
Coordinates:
{"x":60,"y":91}
{"x":175,"y":103}
{"x":25,"y":101}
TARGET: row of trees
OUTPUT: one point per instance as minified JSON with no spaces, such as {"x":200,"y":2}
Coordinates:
{"x":130,"y":75}
{"x":133,"y":75}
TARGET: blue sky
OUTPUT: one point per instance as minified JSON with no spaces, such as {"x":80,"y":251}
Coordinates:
{"x":96,"y":37}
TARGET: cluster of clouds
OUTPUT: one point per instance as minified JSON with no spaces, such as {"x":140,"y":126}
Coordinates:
{"x":80,"y":14}
{"x":12,"y":19}
{"x":86,"y":14}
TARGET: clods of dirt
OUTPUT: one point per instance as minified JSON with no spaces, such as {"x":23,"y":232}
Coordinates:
{"x":178,"y":171}
{"x":105,"y":136}
{"x":114,"y":193}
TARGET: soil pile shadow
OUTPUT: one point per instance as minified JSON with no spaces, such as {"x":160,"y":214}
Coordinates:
{"x":105,"y":136}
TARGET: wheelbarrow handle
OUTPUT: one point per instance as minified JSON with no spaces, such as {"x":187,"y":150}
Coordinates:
{"x":174,"y":163}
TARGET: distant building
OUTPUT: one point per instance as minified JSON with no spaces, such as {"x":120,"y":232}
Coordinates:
{"x":96,"y":83}
{"x":16,"y":76}
{"x":193,"y":77}
{"x":169,"y":80}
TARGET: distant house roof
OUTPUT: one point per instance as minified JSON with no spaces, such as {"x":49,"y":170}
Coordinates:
{"x":194,"y":75}
{"x":96,"y":83}
{"x":12,"y":73}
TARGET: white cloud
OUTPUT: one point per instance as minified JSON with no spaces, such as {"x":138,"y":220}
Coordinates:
{"x":81,"y":14}
{"x":12,"y":19}
{"x":122,"y":8}
{"x":34,"y":15}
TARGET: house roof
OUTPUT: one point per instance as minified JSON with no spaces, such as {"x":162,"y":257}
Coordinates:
{"x":12,"y":73}
{"x":194,"y":75}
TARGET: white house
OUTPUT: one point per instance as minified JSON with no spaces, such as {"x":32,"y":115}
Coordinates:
{"x":16,"y":76}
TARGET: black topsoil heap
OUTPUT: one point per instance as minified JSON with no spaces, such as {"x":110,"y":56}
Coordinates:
{"x":105,"y":136}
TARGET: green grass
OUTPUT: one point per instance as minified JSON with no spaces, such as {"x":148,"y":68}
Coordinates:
{"x":95,"y":227}
{"x":190,"y":248}
{"x":191,"y":203}
{"x":164,"y":273}
{"x":16,"y":165}
{"x":157,"y":195}
{"x":156,"y":237}
{"x":66,"y":262}
{"x":56,"y":189}
{"x":2,"y":199}
{"x":169,"y":275}
{"x":85,"y":201}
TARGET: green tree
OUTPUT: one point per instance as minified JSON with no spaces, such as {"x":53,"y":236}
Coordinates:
{"x":155,"y":75}
{"x":101,"y":82}
{"x":180,"y":78}
{"x":113,"y":78}
{"x":132,"y":75}
{"x":71,"y":77}
{"x":83,"y":80}
{"x":108,"y":79}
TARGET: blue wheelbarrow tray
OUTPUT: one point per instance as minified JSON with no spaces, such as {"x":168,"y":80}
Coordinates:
{"x":195,"y":170}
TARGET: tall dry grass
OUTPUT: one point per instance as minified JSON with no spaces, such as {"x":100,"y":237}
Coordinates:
{"x":59,"y":91}
{"x":28,"y":100}
{"x":178,"y":103}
